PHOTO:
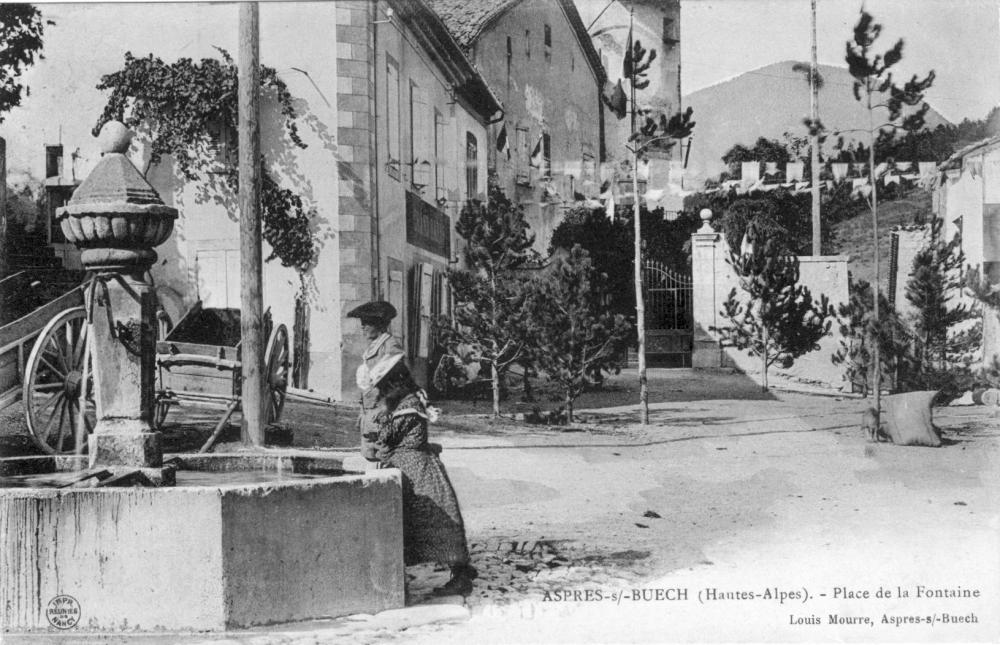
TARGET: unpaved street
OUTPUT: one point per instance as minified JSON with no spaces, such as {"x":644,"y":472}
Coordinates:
{"x":756,"y":519}
{"x":774,"y":500}
{"x":724,"y":521}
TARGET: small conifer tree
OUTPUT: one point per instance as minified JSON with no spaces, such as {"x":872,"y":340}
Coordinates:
{"x":578,"y":335}
{"x":491,"y":289}
{"x":942,"y":341}
{"x":858,"y":333}
{"x":781,"y":321}
{"x":875,"y":88}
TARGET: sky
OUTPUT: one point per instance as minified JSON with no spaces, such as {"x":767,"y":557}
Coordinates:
{"x":959,"y":39}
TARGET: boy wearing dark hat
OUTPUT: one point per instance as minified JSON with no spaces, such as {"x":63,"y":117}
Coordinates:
{"x":375,"y":317}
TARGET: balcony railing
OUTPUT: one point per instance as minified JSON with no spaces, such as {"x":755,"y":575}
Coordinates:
{"x":427,"y":227}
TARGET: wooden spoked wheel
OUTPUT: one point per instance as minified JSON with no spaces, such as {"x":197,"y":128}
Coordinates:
{"x":58,"y":380}
{"x":161,"y":407}
{"x":163,"y":399}
{"x":276,"y":368}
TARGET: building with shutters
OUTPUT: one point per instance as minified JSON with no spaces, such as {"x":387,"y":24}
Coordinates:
{"x":394,"y":116}
{"x":546,"y":151}
{"x":967,"y":199}
{"x":656,"y":24}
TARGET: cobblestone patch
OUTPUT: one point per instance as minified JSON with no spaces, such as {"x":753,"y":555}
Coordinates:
{"x":512,"y":570}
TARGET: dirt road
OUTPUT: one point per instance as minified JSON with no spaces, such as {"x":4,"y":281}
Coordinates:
{"x":749,"y":518}
{"x":787,"y":498}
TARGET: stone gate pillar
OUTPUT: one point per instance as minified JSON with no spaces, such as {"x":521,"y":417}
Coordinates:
{"x":706,"y":254}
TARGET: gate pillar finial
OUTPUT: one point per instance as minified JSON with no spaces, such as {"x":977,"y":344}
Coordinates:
{"x":706,"y":219}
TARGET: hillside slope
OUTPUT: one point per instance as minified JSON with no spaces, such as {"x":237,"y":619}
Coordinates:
{"x":768,"y":102}
{"x":853,"y":237}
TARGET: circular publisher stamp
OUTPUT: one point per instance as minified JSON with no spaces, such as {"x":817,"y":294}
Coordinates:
{"x":63,"y":612}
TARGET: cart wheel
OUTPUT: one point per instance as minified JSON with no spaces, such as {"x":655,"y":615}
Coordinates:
{"x":55,"y":376}
{"x":277,"y":372}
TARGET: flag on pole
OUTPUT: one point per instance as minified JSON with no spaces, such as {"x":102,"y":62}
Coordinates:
{"x":536,"y":155}
{"x":614,"y":98}
{"x":503,"y":143}
{"x":627,"y":64}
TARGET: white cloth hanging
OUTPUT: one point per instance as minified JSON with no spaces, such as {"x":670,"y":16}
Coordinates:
{"x":749,"y":172}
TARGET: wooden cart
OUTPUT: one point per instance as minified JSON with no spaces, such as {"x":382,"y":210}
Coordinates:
{"x":199,"y":361}
{"x":43,"y":362}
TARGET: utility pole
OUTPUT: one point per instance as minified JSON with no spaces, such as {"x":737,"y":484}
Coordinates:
{"x":814,"y":115}
{"x":251,"y":301}
{"x":640,"y":306}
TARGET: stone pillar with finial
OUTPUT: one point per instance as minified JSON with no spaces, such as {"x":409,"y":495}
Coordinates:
{"x":117,"y":219}
{"x":707,"y":250}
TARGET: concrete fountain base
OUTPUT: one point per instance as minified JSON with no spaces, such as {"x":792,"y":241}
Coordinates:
{"x":201,"y":557}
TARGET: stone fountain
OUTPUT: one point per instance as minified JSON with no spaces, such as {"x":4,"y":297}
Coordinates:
{"x":196,"y":542}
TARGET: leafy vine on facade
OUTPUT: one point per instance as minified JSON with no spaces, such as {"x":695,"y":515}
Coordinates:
{"x":184,"y":108}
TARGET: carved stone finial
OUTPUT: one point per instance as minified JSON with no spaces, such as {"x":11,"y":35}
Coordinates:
{"x":706,"y":219}
{"x":114,"y":137}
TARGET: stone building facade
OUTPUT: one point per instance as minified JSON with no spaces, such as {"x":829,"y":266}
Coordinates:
{"x":394,"y":117}
{"x":967,"y":199}
{"x":412,"y":128}
{"x":538,"y":58}
{"x":656,"y":25}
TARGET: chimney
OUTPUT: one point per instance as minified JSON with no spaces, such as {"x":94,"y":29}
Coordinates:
{"x":53,"y":160}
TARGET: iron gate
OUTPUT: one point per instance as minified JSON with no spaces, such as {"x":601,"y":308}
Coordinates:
{"x":669,"y":319}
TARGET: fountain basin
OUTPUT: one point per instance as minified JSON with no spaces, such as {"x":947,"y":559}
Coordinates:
{"x":281,"y":538}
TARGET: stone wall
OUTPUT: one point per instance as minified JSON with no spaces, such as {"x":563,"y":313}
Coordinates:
{"x":713,"y":279}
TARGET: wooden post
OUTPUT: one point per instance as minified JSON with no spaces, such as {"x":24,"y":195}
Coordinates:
{"x":814,"y":115}
{"x":251,"y":317}
{"x":3,"y":208}
{"x":640,"y":306}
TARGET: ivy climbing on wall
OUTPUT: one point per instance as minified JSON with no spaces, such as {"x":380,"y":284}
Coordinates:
{"x":184,"y":109}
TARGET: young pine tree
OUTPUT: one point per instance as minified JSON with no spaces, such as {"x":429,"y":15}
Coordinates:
{"x":943,"y":343}
{"x":491,"y":290}
{"x":858,"y":334}
{"x":781,"y":321}
{"x":875,"y":89}
{"x":578,"y":333}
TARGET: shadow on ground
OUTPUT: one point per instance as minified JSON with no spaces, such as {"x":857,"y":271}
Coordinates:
{"x":664,"y":386}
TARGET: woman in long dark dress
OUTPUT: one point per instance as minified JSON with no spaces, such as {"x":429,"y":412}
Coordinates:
{"x":433,"y":530}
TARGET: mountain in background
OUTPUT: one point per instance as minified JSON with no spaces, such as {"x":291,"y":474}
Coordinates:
{"x":768,"y":102}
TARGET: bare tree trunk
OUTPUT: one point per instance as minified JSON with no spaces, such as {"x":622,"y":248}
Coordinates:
{"x":569,"y":407}
{"x":496,"y":388}
{"x":877,"y":380}
{"x":640,"y":306}
{"x":763,"y":362}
